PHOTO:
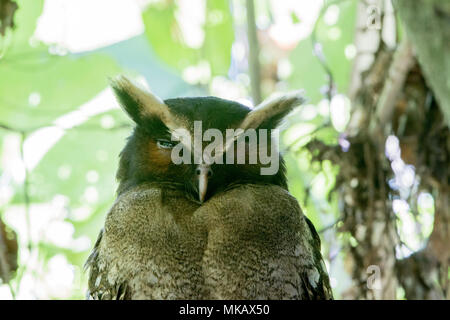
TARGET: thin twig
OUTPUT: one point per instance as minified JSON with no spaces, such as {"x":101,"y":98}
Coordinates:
{"x":82,"y":127}
{"x":330,"y":226}
{"x":318,"y":52}
{"x":26,"y":195}
{"x":313,"y":132}
{"x":8,"y":128}
{"x":402,"y":63}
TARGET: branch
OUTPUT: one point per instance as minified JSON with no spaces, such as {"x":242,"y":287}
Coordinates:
{"x":318,"y":52}
{"x":363,"y":36}
{"x":253,"y":59}
{"x":330,"y":226}
{"x":402,"y":63}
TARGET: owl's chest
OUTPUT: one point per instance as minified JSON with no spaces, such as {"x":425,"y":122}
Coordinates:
{"x":158,"y":245}
{"x":179,"y":250}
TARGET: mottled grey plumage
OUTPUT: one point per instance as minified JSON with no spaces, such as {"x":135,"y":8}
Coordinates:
{"x":248,"y":240}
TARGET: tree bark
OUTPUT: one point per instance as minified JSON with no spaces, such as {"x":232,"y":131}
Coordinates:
{"x":427,"y":24}
{"x":405,"y":93}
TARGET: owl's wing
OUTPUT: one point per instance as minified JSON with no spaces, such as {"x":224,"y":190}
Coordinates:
{"x":322,"y":289}
{"x":261,"y":246}
{"x":98,"y":287}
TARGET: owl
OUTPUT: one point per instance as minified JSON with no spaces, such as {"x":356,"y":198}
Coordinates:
{"x":214,"y":225}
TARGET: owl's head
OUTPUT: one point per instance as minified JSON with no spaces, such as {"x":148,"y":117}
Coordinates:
{"x":200,"y":145}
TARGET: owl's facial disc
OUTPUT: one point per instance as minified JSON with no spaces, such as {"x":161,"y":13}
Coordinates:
{"x":164,"y":148}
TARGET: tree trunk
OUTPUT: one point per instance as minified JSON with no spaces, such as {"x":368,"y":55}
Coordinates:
{"x":404,"y":95}
{"x":427,"y":24}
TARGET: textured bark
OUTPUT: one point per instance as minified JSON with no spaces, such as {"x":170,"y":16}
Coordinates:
{"x":424,"y":275}
{"x":397,"y":95}
{"x":402,"y":62}
{"x":368,"y":215}
{"x":427,"y":24}
{"x":419,"y":277}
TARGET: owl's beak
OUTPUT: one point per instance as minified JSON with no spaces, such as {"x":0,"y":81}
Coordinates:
{"x":203,"y":173}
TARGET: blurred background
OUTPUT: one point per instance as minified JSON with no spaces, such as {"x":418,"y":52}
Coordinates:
{"x":367,"y":156}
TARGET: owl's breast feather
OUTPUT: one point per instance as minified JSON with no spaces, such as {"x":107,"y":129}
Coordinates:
{"x":248,"y":242}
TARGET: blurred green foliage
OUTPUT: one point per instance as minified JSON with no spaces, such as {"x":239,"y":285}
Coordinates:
{"x":170,"y":46}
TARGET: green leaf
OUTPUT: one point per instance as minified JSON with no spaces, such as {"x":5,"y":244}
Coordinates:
{"x":219,"y":36}
{"x":165,"y":35}
{"x":25,"y":21}
{"x":295,"y":18}
{"x":36,"y":86}
{"x":34,"y":95}
{"x":82,"y":164}
{"x":308,"y":72}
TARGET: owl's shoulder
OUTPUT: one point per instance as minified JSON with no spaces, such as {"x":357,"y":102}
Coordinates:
{"x":264,"y":214}
{"x":137,"y":197}
{"x":256,"y":201}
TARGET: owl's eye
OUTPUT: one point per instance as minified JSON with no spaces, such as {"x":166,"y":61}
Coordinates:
{"x":165,"y":144}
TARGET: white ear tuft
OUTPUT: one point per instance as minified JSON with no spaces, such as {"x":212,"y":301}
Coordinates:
{"x":139,"y":102}
{"x":274,"y":108}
